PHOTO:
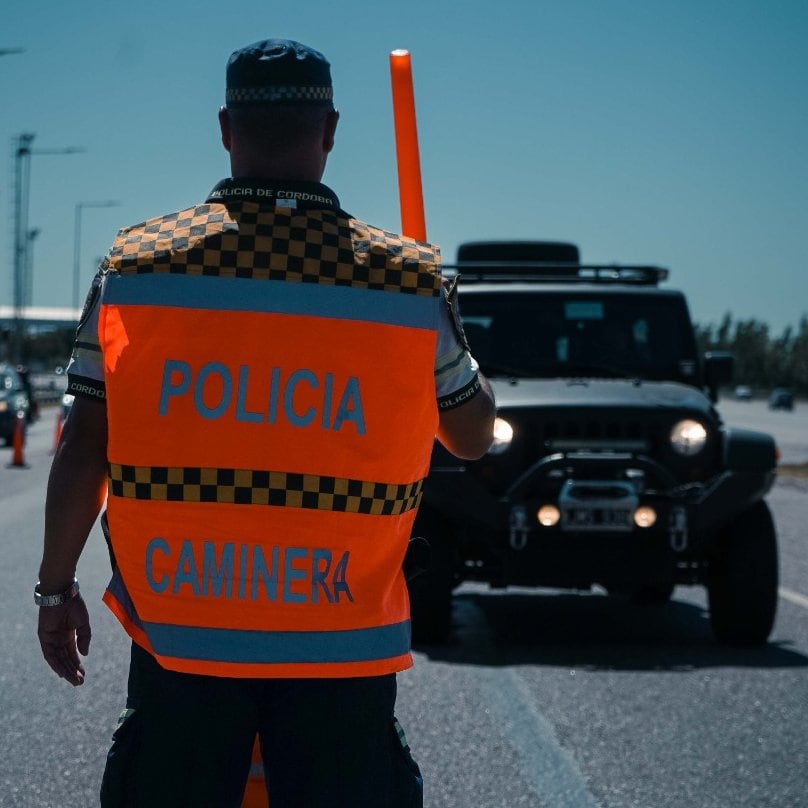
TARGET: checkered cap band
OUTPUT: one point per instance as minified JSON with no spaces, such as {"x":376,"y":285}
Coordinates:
{"x":262,"y":242}
{"x":253,"y":95}
{"x":249,"y":487}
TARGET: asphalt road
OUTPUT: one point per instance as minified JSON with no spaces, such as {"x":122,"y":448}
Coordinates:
{"x":542,"y":699}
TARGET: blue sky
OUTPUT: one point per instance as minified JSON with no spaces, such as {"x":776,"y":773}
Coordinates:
{"x":673,"y":133}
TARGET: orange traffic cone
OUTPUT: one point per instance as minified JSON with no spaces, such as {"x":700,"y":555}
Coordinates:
{"x":18,"y":445}
{"x":57,"y":434}
{"x":255,"y":794}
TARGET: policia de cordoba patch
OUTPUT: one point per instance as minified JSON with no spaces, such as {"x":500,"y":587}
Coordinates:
{"x":461,"y":396}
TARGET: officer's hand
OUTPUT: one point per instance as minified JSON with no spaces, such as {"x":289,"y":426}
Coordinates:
{"x":64,"y":632}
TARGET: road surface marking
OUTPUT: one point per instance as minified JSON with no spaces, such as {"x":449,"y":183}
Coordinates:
{"x":550,"y":769}
{"x":794,"y":597}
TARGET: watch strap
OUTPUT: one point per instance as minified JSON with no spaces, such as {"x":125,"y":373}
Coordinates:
{"x":59,"y":598}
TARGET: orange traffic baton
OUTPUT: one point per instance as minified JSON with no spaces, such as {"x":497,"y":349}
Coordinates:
{"x":411,"y":196}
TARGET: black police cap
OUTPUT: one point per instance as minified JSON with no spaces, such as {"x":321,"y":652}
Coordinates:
{"x":278,"y":71}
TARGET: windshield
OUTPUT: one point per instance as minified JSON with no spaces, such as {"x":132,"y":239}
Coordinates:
{"x":549,"y":334}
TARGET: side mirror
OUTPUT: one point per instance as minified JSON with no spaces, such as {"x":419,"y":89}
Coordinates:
{"x":718,"y":369}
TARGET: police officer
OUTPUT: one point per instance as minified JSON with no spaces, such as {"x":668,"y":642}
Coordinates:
{"x":259,"y":379}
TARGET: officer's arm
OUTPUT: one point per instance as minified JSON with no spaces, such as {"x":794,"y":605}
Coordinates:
{"x":75,"y":495}
{"x":76,"y":489}
{"x":468,"y":430}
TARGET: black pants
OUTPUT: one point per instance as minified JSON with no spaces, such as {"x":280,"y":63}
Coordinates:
{"x":186,"y":740}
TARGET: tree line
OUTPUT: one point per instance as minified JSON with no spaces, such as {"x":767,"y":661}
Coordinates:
{"x":762,"y":361}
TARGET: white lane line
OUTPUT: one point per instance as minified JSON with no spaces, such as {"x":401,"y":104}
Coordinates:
{"x":794,"y":597}
{"x":549,"y":768}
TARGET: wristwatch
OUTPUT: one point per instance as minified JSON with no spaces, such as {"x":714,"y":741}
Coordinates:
{"x":57,"y":599}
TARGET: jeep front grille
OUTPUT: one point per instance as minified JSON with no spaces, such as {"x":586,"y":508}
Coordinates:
{"x":595,"y":445}
{"x":608,"y":434}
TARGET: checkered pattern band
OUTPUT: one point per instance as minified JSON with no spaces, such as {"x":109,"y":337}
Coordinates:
{"x":247,"y":95}
{"x":248,"y":487}
{"x":264,"y":242}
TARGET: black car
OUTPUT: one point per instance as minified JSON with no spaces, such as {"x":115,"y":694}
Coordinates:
{"x":33,"y":404}
{"x":781,"y":398}
{"x":610,"y":464}
{"x":14,"y":402}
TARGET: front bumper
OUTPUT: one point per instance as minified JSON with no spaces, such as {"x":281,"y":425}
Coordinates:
{"x":573,"y":515}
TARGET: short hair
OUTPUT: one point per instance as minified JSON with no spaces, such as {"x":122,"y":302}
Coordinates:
{"x":279,"y":125}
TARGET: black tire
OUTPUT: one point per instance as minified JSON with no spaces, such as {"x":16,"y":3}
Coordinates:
{"x":431,"y":591}
{"x":743,"y":579}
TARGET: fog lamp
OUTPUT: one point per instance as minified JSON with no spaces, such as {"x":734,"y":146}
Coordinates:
{"x":548,"y":515}
{"x":644,"y":516}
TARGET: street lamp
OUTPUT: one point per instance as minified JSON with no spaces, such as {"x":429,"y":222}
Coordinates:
{"x":107,"y":203}
{"x":22,"y":183}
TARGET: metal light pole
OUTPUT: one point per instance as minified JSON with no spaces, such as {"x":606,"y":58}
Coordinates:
{"x":33,"y":234}
{"x":22,"y":183}
{"x":22,"y":165}
{"x":107,"y":203}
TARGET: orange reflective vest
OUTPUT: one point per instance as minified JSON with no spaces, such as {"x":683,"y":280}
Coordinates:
{"x":271,"y":412}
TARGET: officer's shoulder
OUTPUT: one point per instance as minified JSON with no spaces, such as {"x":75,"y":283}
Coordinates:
{"x":156,"y":224}
{"x":374,"y":240}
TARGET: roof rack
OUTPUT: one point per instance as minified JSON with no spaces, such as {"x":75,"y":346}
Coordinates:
{"x":544,"y":272}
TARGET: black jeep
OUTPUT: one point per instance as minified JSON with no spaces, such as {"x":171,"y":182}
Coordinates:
{"x":610,"y":464}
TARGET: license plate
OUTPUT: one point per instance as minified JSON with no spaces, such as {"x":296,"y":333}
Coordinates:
{"x":597,"y":518}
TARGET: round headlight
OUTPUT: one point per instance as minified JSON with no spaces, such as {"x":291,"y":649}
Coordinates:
{"x":503,"y":435}
{"x":688,"y":437}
